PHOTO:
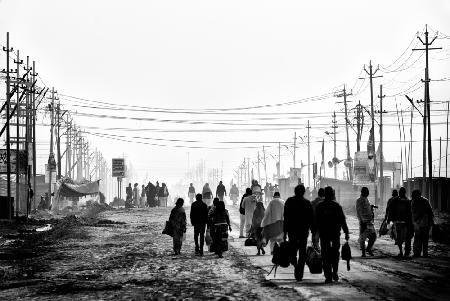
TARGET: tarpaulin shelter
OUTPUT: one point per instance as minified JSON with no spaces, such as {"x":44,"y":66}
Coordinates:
{"x":78,"y":190}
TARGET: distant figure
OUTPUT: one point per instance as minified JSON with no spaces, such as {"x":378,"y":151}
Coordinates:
{"x":267,"y":195}
{"x":191,"y":193}
{"x":247,"y":193}
{"x":136,"y":195}
{"x":221,"y":221}
{"x":398,"y":211}
{"x":143,"y":198}
{"x":207,"y":195}
{"x":129,"y":193}
{"x":151,"y":194}
{"x":307,"y":193}
{"x":163,"y":195}
{"x":256,"y":228}
{"x":234,"y":194}
{"x":221,"y":191}
{"x":276,"y":188}
{"x":330,"y":219}
{"x":177,"y":220}
{"x":199,"y":219}
{"x":255,"y":183}
{"x":157,"y":194}
{"x":364,"y":212}
{"x":272,"y":222}
{"x":315,"y":236}
{"x":298,"y":221}
{"x":423,"y":219}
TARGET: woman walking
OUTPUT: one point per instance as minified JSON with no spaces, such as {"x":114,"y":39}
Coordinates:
{"x":221,"y":222}
{"x":143,"y":196}
{"x":256,"y":229}
{"x":177,"y":221}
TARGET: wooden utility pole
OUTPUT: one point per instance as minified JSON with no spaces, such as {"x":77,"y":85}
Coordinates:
{"x":18,"y":62}
{"x":279,"y":160}
{"x":295,"y":145}
{"x":58,"y":138}
{"x":371,"y":74}
{"x":259,"y":173}
{"x":381,"y":146}
{"x":33,"y":105}
{"x":440,"y":155}
{"x":411,"y":142}
{"x":309,"y":158}
{"x":359,"y":125}
{"x":427,"y":45}
{"x":265,"y":167}
{"x":348,"y":164}
{"x":51,"y":157}
{"x":8,"y":137}
{"x":446,"y":144}
{"x":334,"y":161}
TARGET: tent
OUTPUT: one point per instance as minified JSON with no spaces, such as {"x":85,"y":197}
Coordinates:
{"x":78,"y":190}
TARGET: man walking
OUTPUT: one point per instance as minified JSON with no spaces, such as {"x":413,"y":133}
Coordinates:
{"x":248,"y":192}
{"x":365,"y":216}
{"x":314,"y":204}
{"x":422,"y":217}
{"x":330,"y":219}
{"x":399,"y":212}
{"x":221,"y":191}
{"x":298,"y":218}
{"x":199,"y":218}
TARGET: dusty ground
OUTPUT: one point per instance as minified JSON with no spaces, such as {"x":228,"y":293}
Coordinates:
{"x":121,"y":254}
{"x":128,"y":259}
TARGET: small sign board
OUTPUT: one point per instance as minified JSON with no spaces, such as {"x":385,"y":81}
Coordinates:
{"x":118,"y":167}
{"x":13,"y":160}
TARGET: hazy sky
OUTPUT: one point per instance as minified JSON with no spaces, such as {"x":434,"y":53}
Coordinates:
{"x":226,"y":54}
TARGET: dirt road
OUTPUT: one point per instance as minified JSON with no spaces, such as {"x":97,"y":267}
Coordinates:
{"x":125,"y":257}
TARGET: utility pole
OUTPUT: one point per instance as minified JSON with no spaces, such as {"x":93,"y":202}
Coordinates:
{"x":265,"y":167}
{"x":446,"y":144}
{"x":427,"y":45}
{"x":440,"y":155}
{"x":295,"y":145}
{"x":371,"y":74}
{"x":359,"y":125}
{"x":334,"y":142}
{"x":381,"y":146}
{"x":8,"y":137}
{"x":51,"y":157}
{"x":279,"y":160}
{"x":411,"y":141}
{"x":33,"y":105}
{"x":248,"y":169}
{"x":18,"y":111}
{"x":348,"y":164}
{"x":259,"y":173}
{"x":58,"y":139}
{"x":309,"y":157}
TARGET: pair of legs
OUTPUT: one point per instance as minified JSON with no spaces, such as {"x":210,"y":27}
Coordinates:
{"x":241,"y":225}
{"x":421,"y":237}
{"x":177,"y":242}
{"x":330,"y":257}
{"x":367,"y":231}
{"x":298,"y":244}
{"x":402,"y":236}
{"x":199,"y":230}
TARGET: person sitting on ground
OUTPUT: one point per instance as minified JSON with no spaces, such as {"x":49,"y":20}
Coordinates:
{"x":272,"y":222}
{"x":177,"y":221}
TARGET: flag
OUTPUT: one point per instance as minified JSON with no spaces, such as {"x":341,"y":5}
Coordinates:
{"x":323,"y":155}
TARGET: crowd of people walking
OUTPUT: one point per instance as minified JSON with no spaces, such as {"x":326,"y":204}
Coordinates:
{"x":293,"y":220}
{"x":146,"y":196}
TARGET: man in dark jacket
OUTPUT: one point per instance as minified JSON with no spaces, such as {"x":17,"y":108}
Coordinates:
{"x":221,"y":191}
{"x":399,"y":212}
{"x":330,"y":219}
{"x":422,"y":217}
{"x":150,"y":192}
{"x":199,"y":218}
{"x":298,"y":219}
